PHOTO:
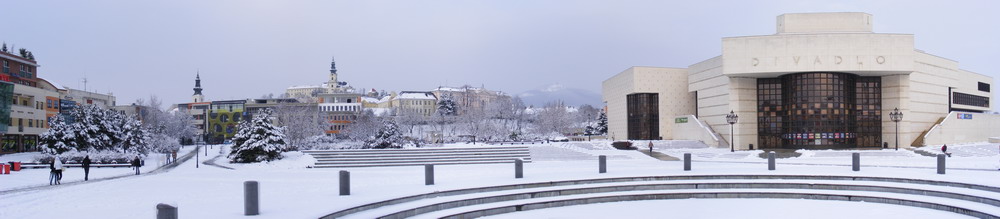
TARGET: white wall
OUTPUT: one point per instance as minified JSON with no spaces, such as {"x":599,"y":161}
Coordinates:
{"x":669,"y":83}
{"x":953,"y":130}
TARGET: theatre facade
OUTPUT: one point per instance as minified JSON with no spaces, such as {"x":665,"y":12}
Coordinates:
{"x":823,"y":80}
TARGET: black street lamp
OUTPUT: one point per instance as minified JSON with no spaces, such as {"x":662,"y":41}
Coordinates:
{"x":896,"y":116}
{"x":732,"y":118}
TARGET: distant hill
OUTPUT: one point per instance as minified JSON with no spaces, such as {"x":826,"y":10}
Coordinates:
{"x":570,"y":96}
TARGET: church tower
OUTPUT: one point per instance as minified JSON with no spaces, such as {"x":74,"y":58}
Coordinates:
{"x":333,"y":84}
{"x":197,"y":89}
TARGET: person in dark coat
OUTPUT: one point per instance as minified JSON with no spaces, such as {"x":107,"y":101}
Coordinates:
{"x":52,"y":172}
{"x":86,"y":168}
{"x":136,"y":163}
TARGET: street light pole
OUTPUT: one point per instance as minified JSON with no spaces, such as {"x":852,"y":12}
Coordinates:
{"x":896,"y":116}
{"x":732,"y":118}
{"x":196,"y":157}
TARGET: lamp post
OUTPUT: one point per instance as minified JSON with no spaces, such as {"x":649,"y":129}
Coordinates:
{"x":896,"y":116}
{"x":732,"y":118}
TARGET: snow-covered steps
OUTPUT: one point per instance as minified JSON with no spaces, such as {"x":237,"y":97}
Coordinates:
{"x":961,"y":198}
{"x":421,"y":156}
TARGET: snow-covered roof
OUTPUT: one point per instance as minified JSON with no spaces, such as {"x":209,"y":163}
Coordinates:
{"x":458,"y":89}
{"x":304,"y":86}
{"x":54,"y":84}
{"x":416,"y":95}
{"x":370,"y":99}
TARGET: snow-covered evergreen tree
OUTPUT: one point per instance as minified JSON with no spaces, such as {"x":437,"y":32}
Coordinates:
{"x":59,"y":138}
{"x":258,"y":140}
{"x":130,"y":134}
{"x":602,"y":124}
{"x":446,"y":106}
{"x":387,"y":136}
{"x":96,"y":129}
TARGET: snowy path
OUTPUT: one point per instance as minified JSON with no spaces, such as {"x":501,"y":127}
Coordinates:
{"x":35,"y":179}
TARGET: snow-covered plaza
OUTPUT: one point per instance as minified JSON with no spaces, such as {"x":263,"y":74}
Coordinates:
{"x":290,"y":189}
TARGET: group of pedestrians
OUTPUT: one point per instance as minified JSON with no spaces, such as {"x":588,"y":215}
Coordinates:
{"x":56,"y":168}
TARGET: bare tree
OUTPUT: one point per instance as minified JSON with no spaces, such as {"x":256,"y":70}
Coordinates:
{"x":365,"y":126}
{"x":554,"y":119}
{"x":301,"y":123}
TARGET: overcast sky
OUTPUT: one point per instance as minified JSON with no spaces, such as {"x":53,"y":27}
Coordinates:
{"x":245,"y":49}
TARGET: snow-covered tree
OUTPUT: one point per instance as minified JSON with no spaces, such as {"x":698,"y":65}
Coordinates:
{"x":554,"y":119}
{"x":258,"y":140}
{"x":387,"y":136}
{"x":602,"y":124}
{"x":365,"y":125}
{"x":96,"y":129}
{"x":59,"y":138}
{"x":131,"y":136}
{"x":301,"y":123}
{"x":446,"y":106}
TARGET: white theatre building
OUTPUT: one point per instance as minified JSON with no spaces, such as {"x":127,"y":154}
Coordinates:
{"x":824,"y":80}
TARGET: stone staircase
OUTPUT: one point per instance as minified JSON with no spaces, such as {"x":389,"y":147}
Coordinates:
{"x":960,"y":198}
{"x":418,"y":156}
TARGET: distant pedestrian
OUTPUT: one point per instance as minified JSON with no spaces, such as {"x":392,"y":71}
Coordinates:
{"x":174,"y":159}
{"x":650,"y":147}
{"x":86,"y":168}
{"x":136,"y":163}
{"x":58,"y":166}
{"x":944,"y":149}
{"x":52,"y":172}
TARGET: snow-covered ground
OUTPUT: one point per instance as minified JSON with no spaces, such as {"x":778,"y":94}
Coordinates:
{"x":290,"y":190}
{"x":40,"y":176}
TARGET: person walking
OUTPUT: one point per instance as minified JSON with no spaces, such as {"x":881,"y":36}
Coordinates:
{"x":86,"y":168}
{"x":58,"y":166}
{"x":650,"y":147}
{"x":52,"y":172}
{"x":136,"y":163}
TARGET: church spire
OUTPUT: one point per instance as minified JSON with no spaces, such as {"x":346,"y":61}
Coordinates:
{"x":333,"y":66}
{"x":197,"y":97}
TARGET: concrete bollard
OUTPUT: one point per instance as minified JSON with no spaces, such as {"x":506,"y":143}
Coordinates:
{"x":940,"y":163}
{"x":687,"y":161}
{"x":251,"y":200}
{"x":770,"y":160}
{"x":602,"y":164}
{"x":518,"y":169}
{"x":165,"y":211}
{"x":856,"y":161}
{"x":345,"y":182}
{"x":429,"y":174}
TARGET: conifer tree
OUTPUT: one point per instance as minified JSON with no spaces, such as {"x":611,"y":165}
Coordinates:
{"x":258,"y":140}
{"x":59,"y":138}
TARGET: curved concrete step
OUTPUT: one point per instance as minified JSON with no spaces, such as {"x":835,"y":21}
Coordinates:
{"x":413,"y":198}
{"x":528,"y":196}
{"x":958,"y":209}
